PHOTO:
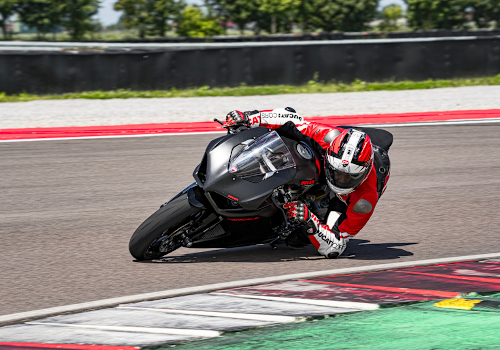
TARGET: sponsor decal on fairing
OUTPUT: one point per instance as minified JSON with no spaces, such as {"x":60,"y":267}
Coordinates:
{"x":307,"y":182}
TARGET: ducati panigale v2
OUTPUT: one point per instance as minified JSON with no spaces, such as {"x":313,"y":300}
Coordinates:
{"x":240,"y":187}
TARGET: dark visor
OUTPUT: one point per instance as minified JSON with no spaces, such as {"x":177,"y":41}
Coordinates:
{"x":343,"y":180}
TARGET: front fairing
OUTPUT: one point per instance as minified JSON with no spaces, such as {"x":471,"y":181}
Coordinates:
{"x":248,"y":195}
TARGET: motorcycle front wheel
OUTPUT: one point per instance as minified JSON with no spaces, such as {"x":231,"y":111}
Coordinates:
{"x":162,"y":232}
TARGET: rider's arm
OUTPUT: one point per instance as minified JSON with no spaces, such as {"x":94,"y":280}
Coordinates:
{"x":275,"y":118}
{"x":358,"y":213}
{"x":360,"y":205}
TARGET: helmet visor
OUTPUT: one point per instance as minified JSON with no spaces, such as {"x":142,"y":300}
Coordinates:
{"x":344,"y":180}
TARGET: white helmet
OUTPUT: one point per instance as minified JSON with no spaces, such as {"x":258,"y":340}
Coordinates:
{"x":348,"y":161}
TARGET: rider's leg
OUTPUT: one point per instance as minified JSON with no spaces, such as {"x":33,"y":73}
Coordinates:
{"x":299,"y":238}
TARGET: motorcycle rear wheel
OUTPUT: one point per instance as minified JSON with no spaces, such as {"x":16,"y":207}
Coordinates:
{"x":164,"y":224}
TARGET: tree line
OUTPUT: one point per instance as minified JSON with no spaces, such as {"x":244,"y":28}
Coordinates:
{"x":156,"y":17}
{"x":47,"y":15}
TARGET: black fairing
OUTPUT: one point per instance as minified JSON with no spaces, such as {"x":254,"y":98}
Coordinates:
{"x":248,"y":198}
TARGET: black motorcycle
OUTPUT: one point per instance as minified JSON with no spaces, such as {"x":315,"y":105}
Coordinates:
{"x":236,"y":200}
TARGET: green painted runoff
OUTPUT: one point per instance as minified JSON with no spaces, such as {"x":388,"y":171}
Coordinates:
{"x":414,"y":327}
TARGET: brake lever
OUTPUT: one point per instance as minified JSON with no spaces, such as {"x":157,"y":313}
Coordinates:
{"x":227,"y":127}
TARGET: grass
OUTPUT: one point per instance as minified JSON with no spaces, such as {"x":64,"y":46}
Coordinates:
{"x":312,"y":86}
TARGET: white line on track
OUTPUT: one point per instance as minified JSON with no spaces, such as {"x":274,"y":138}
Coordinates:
{"x":174,"y":331}
{"x":329,"y":303}
{"x":100,"y":304}
{"x":388,"y":125}
{"x":444,"y":122}
{"x":253,"y":317}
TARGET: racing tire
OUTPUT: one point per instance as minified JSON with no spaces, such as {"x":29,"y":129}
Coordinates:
{"x":168,"y":218}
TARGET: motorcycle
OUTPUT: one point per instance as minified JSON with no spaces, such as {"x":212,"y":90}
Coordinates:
{"x":237,"y":198}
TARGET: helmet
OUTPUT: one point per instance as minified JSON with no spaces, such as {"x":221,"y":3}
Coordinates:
{"x":348,"y":161}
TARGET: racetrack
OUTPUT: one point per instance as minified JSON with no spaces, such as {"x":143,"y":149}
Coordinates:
{"x":68,"y":209}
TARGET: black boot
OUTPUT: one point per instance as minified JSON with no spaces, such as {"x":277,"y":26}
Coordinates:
{"x":297,"y":239}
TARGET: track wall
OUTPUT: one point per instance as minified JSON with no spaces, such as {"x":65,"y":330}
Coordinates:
{"x":253,"y":64}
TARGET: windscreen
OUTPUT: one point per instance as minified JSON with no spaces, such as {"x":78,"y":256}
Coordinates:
{"x":264,"y":155}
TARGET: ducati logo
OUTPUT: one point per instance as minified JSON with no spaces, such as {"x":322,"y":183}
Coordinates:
{"x":345,"y":162}
{"x":280,"y":115}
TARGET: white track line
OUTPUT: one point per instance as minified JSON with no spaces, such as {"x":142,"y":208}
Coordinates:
{"x":173,"y":331}
{"x":100,"y":304}
{"x":253,"y":317}
{"x":388,"y":125}
{"x":444,"y":122}
{"x":329,"y":303}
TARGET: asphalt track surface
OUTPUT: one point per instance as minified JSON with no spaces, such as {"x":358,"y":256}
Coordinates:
{"x":68,"y":209}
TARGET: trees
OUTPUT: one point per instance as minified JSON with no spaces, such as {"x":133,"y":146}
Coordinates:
{"x":437,"y":14}
{"x":240,"y":12}
{"x":77,"y":16}
{"x":307,"y":13}
{"x":326,"y":15}
{"x":134,"y":14}
{"x":162,"y":12}
{"x":354,"y":14}
{"x":344,"y":15}
{"x":6,"y":10}
{"x":279,"y":10}
{"x":149,"y":16}
{"x":390,"y":16}
{"x":43,"y":15}
{"x":486,"y":12}
{"x":194,"y":23}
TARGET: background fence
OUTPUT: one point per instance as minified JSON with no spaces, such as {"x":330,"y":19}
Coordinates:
{"x":292,"y":63}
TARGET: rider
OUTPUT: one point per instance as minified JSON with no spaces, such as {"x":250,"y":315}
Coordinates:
{"x":348,"y":169}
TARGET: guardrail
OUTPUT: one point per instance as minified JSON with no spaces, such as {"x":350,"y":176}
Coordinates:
{"x":320,"y":36}
{"x":70,"y":67}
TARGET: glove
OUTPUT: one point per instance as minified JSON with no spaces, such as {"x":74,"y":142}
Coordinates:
{"x":236,"y":118}
{"x":297,"y":211}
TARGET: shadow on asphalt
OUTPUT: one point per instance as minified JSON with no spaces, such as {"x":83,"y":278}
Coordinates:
{"x":359,"y":249}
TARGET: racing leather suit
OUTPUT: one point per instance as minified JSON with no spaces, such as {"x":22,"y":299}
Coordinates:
{"x":355,"y":208}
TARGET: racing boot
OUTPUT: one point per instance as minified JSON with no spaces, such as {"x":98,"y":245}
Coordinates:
{"x":298,"y":239}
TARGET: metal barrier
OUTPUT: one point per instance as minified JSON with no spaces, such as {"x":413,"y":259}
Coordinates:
{"x":324,"y":36}
{"x":146,"y":68}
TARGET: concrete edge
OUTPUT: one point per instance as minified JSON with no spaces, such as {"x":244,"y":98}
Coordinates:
{"x":106,"y":303}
